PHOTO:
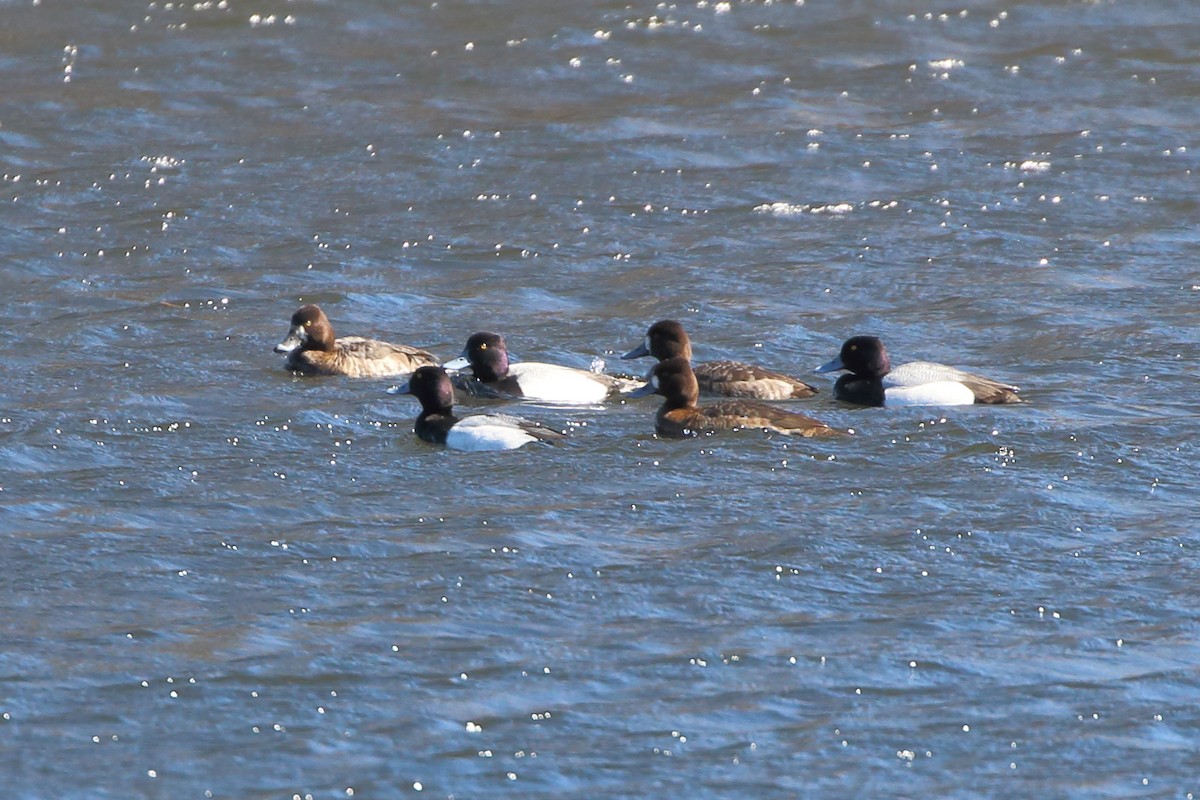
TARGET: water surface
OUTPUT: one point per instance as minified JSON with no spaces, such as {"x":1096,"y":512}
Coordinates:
{"x":226,"y":581}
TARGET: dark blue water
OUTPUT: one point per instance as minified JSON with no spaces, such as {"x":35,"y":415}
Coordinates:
{"x":222,"y":580}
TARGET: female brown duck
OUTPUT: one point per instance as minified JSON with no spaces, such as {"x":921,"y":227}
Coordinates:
{"x":680,"y":416}
{"x":667,"y":339}
{"x":312,"y":350}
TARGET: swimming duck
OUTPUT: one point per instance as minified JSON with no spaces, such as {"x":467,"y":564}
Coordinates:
{"x":437,"y":423}
{"x":487,"y":356}
{"x":667,"y":339}
{"x":873,"y":382}
{"x":679,"y":415}
{"x":312,"y":350}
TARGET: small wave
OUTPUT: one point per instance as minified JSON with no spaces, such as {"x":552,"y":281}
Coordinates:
{"x":793,"y":209}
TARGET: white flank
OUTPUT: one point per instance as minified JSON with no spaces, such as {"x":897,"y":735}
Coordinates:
{"x":551,"y":383}
{"x":938,"y":393}
{"x":487,"y":432}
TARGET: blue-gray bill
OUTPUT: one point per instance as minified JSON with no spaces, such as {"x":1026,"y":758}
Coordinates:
{"x":641,"y":351}
{"x":644,"y":391}
{"x":290,"y":343}
{"x":831,"y":366}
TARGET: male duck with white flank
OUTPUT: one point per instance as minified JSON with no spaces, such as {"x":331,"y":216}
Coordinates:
{"x":312,"y":350}
{"x":437,"y":423}
{"x":667,"y":339}
{"x":487,"y":356}
{"x":679,"y":414}
{"x":872,"y":381}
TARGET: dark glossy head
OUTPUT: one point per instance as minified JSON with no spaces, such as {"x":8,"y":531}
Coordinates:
{"x":865,"y":356}
{"x":674,"y":380}
{"x":310,"y":330}
{"x":487,"y":355}
{"x":431,"y":386}
{"x":664,"y":339}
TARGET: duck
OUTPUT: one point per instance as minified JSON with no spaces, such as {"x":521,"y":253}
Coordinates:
{"x":497,"y":375}
{"x":871,"y":380}
{"x":437,"y":423}
{"x":679,"y":415}
{"x":312,"y":350}
{"x":667,"y":339}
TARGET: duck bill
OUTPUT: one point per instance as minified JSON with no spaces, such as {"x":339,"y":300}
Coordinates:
{"x":399,"y":388}
{"x":293,"y":340}
{"x":644,"y":391}
{"x":641,"y":351}
{"x":831,"y":366}
{"x":459,"y":363}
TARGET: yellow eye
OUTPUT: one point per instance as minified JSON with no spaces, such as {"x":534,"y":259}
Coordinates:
{"x":853,"y":347}
{"x":308,"y":324}
{"x":483,"y":346}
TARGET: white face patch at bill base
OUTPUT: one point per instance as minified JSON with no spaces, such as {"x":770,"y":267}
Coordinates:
{"x":295,"y":338}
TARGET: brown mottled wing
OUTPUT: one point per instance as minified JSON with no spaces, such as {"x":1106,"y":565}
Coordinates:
{"x":732,"y":414}
{"x":372,"y":358}
{"x":749,"y":414}
{"x":362,"y":347}
{"x":989,"y":391}
{"x":735,"y":379}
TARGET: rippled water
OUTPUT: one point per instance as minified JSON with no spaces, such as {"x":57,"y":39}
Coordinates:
{"x":222,"y":580}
